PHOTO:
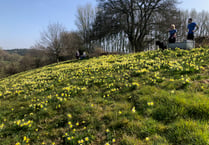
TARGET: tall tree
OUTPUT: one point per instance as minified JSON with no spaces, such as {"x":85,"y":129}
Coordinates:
{"x":85,"y":19}
{"x":133,"y":17}
{"x":71,"y":43}
{"x":51,"y":40}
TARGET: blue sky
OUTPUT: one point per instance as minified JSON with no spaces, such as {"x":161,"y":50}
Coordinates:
{"x":199,"y":5}
{"x":22,"y":21}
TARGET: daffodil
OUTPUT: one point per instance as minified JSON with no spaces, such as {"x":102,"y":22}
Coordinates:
{"x":113,"y":140}
{"x":18,"y":143}
{"x":150,"y":103}
{"x":147,"y":138}
{"x":107,"y":130}
{"x":2,"y":126}
{"x":133,"y":110}
{"x":86,"y":139}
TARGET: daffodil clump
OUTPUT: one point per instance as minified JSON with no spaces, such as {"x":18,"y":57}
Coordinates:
{"x":22,"y":123}
{"x":73,"y":135}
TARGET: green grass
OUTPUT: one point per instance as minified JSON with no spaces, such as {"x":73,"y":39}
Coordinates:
{"x":147,"y":98}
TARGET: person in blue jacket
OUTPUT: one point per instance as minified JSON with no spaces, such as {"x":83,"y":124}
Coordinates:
{"x":172,"y":31}
{"x":192,"y":27}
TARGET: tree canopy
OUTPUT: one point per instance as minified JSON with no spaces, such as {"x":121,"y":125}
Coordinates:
{"x":136,"y":18}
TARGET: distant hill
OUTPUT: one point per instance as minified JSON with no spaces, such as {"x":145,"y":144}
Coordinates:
{"x":147,"y":98}
{"x":21,"y":52}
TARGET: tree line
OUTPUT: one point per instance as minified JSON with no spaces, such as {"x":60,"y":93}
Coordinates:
{"x":18,"y":60}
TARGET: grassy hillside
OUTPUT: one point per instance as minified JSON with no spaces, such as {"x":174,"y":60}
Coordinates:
{"x":148,"y":98}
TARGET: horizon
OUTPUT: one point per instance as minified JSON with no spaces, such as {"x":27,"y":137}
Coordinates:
{"x":23,"y":22}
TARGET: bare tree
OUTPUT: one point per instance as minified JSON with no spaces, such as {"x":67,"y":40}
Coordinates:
{"x":85,"y":19}
{"x":133,"y":17}
{"x":182,"y":29}
{"x":51,"y":40}
{"x":115,"y":43}
{"x":203,"y":21}
{"x":71,"y":42}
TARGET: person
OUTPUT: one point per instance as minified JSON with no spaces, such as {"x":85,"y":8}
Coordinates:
{"x":191,"y":29}
{"x":172,"y":31}
{"x":161,"y":45}
{"x":84,"y":55}
{"x":77,"y":55}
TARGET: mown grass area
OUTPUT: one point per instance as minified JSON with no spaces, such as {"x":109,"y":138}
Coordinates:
{"x":147,"y":98}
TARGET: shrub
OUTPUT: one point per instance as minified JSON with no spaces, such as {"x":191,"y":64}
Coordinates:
{"x":97,"y":52}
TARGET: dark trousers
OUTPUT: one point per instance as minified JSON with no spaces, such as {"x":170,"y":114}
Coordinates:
{"x":172,"y":39}
{"x":190,"y":36}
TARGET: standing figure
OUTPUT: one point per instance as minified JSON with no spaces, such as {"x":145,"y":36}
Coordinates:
{"x":172,"y":31}
{"x":191,"y":29}
{"x":77,"y":55}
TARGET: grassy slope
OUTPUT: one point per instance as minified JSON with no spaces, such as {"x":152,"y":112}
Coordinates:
{"x":144,"y":98}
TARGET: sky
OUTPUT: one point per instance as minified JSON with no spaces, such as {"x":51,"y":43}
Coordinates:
{"x":198,"y":5}
{"x":22,"y":21}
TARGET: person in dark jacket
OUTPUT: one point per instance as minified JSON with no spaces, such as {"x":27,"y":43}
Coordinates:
{"x":192,"y":27}
{"x":172,"y":31}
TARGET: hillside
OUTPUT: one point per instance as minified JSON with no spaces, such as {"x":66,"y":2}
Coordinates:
{"x":148,"y":98}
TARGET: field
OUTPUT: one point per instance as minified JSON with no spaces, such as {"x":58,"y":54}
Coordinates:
{"x":147,"y":98}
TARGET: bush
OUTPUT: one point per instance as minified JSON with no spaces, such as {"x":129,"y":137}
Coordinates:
{"x":12,"y":69}
{"x":97,"y":52}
